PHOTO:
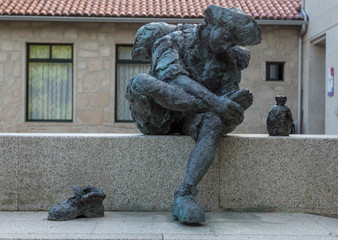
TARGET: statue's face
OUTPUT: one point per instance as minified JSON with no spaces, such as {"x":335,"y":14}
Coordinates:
{"x":220,"y":40}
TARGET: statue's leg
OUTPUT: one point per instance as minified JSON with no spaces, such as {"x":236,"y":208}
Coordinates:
{"x":185,"y":208}
{"x":203,"y":153}
{"x":152,"y":103}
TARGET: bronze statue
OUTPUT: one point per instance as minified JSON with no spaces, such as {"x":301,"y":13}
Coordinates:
{"x":192,"y":88}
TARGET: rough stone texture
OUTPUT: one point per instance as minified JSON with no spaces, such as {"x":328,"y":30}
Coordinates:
{"x":252,"y":172}
{"x":98,"y":41}
{"x":9,"y":171}
{"x":278,"y":173}
{"x":117,"y":165}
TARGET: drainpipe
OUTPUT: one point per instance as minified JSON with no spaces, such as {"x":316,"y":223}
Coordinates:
{"x":300,"y":47}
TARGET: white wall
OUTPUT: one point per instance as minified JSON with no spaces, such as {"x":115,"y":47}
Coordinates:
{"x":320,"y":112}
{"x":331,"y":103}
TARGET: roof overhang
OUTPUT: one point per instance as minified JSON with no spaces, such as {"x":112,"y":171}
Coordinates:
{"x":135,"y":20}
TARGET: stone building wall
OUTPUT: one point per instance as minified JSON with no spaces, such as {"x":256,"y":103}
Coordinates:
{"x":94,"y":74}
{"x":280,"y":44}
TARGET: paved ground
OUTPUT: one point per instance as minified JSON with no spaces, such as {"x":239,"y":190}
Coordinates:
{"x":161,"y":226}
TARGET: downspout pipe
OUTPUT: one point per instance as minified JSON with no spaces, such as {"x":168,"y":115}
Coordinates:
{"x":300,"y":63}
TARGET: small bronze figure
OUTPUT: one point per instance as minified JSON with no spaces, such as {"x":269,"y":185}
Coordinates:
{"x":279,"y":121}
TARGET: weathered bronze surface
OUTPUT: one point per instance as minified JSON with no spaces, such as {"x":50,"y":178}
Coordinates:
{"x":279,"y":121}
{"x":87,"y":202}
{"x":192,"y":88}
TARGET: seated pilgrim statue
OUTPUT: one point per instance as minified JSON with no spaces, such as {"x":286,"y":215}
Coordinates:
{"x":192,"y":88}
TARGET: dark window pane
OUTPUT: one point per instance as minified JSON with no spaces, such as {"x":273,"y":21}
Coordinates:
{"x":274,"y":71}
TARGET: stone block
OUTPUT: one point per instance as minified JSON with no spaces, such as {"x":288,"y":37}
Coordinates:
{"x":81,"y":65}
{"x":1,"y":72}
{"x":91,"y":82}
{"x":87,"y":53}
{"x":138,"y":173}
{"x":95,"y":64}
{"x":9,"y":170}
{"x":105,"y":51}
{"x":70,"y":33}
{"x":91,"y":116}
{"x":276,"y":173}
{"x":89,"y":45}
{"x":83,"y":99}
{"x":152,"y":168}
{"x":12,"y":45}
{"x":45,"y":179}
{"x":3,"y":57}
{"x":101,"y":99}
{"x":56,"y":32}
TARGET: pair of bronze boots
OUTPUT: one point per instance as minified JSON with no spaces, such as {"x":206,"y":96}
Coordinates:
{"x":87,"y":202}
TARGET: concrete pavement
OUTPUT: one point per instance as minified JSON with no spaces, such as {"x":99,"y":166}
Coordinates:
{"x":161,"y":226}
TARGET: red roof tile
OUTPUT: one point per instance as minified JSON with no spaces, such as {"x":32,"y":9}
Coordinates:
{"x":259,"y":9}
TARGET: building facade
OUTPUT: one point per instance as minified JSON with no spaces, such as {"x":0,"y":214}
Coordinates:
{"x":97,"y":94}
{"x":320,"y":62}
{"x":67,"y":71}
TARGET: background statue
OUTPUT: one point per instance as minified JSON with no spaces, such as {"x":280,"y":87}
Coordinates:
{"x":192,"y":88}
{"x":279,"y":121}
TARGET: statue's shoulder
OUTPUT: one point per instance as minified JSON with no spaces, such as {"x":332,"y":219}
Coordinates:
{"x":152,"y":33}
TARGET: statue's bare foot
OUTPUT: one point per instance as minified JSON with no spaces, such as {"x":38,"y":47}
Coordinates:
{"x":185,"y":209}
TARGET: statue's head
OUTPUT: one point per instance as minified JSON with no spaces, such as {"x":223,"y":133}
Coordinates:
{"x":145,"y":38}
{"x":229,"y":27}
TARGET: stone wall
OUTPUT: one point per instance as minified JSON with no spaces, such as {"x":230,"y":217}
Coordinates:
{"x":140,"y":173}
{"x":94,"y":74}
{"x":280,"y":44}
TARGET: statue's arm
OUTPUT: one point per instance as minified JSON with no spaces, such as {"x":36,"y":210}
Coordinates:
{"x":168,"y":67}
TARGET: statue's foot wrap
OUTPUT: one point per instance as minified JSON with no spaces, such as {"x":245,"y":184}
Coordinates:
{"x":185,"y":208}
{"x":87,"y":202}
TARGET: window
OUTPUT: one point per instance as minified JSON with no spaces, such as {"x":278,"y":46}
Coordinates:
{"x":126,"y":69}
{"x":49,"y":82}
{"x":274,"y":71}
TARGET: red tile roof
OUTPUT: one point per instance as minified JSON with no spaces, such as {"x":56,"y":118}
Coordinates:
{"x":259,"y":9}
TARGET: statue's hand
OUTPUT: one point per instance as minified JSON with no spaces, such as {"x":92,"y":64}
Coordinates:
{"x":243,"y":97}
{"x":229,"y":110}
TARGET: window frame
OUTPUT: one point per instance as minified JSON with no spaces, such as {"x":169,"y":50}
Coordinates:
{"x":50,"y":60}
{"x":280,"y":71}
{"x":117,"y":61}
